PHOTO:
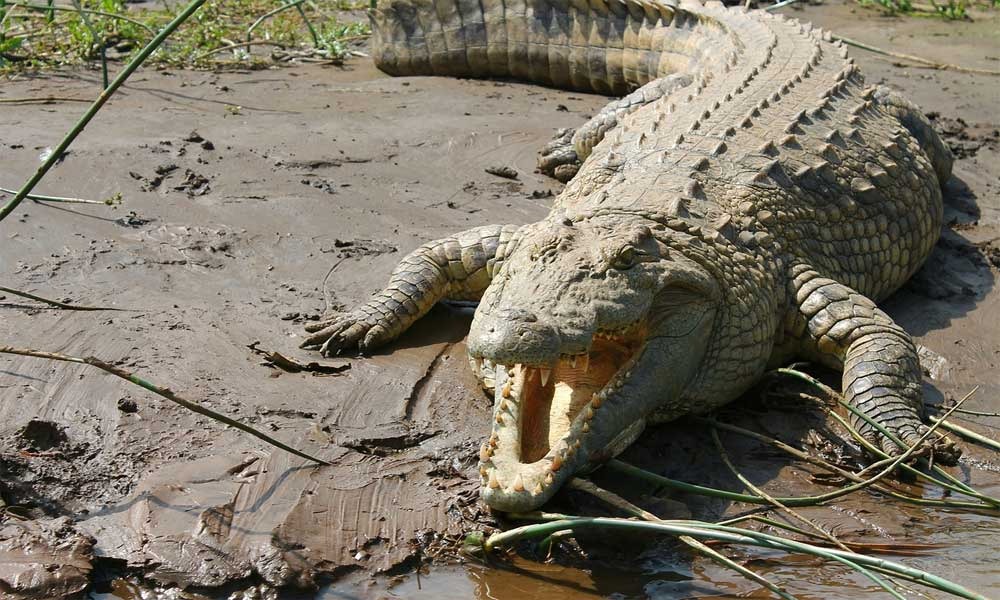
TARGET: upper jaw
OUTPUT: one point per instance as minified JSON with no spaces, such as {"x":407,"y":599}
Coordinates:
{"x":532,"y":449}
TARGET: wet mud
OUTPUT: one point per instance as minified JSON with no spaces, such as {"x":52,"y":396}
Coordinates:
{"x":254,"y":203}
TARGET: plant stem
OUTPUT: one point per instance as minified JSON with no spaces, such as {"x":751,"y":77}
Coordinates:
{"x":105,"y":95}
{"x":958,"y":487}
{"x":844,"y":473}
{"x":163,"y":392}
{"x":94,"y":39}
{"x":270,"y":14}
{"x":702,"y":530}
{"x":966,"y":433}
{"x":42,"y":198}
{"x":89,"y":11}
{"x":732,"y":468}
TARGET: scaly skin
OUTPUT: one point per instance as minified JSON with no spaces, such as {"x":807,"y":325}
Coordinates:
{"x":748,"y":202}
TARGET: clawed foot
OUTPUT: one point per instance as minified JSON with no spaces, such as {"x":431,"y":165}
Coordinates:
{"x":348,"y":331}
{"x":937,"y":446}
{"x":558,"y":158}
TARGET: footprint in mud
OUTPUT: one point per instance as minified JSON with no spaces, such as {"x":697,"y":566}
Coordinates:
{"x":187,"y":245}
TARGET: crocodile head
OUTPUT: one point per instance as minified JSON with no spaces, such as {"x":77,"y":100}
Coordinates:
{"x":592,"y":326}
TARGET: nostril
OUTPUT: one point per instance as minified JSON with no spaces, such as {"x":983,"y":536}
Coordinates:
{"x":517,"y":314}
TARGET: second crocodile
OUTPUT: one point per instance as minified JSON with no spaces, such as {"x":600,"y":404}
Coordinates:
{"x":747,"y":201}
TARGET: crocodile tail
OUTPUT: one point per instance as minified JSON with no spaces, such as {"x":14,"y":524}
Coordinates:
{"x":603,"y":46}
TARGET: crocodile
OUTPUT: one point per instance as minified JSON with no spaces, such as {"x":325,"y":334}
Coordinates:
{"x":745,"y":201}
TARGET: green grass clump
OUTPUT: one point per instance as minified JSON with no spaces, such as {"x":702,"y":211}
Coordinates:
{"x":34,"y":35}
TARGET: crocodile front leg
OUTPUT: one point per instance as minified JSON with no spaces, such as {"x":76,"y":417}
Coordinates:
{"x":561,"y":158}
{"x":881,"y":371}
{"x":458,"y":268}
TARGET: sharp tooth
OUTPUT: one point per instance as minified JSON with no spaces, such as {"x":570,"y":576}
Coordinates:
{"x":588,"y":414}
{"x":531,"y":374}
{"x":505,"y":390}
{"x":545,"y":373}
{"x":596,"y":400}
{"x":549,"y":479}
{"x":518,"y":483}
{"x":537,"y":490}
{"x":499,"y":418}
{"x":586,"y":427}
{"x":585,"y":362}
{"x":493,"y":440}
{"x":518,"y":370}
{"x":572,"y":361}
{"x":494,"y":482}
{"x":557,"y":462}
{"x":485,"y":452}
{"x":483,"y":472}
{"x":503,"y":405}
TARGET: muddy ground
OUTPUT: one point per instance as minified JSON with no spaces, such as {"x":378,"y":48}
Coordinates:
{"x":256,"y":201}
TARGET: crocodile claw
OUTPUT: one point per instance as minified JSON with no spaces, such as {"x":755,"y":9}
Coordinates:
{"x":344,"y":332}
{"x":558,"y":158}
{"x":940,"y":447}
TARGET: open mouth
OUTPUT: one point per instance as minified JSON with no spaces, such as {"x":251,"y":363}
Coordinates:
{"x":547,"y":418}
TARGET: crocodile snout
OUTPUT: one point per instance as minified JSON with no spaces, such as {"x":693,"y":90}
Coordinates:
{"x":513,"y":335}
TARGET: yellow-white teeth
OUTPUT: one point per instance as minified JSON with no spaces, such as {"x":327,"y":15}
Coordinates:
{"x":493,"y":440}
{"x":572,"y":361}
{"x":518,"y":483}
{"x":586,"y":427}
{"x":549,"y":479}
{"x":596,"y":400}
{"x":545,"y":373}
{"x":589,"y":414}
{"x":584,"y":362}
{"x":485,"y":452}
{"x":499,"y":418}
{"x":494,"y":482}
{"x":483,"y":472}
{"x":505,"y":390}
{"x":537,"y":490}
{"x":557,"y":462}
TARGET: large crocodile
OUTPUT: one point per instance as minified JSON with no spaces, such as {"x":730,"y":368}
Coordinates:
{"x":747,"y":201}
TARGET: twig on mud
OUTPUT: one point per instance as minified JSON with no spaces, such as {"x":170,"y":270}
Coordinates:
{"x":290,"y":365}
{"x":917,"y":59}
{"x":58,"y":304}
{"x":43,"y":100}
{"x":68,"y":200}
{"x":105,"y":95}
{"x":966,"y":433}
{"x":755,"y":489}
{"x":160,"y":391}
{"x":234,"y":46}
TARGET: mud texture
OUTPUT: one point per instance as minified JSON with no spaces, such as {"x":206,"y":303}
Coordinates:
{"x":255,"y":202}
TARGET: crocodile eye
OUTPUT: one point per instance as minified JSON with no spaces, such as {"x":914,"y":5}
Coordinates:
{"x":625,"y":259}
